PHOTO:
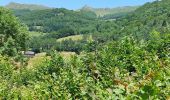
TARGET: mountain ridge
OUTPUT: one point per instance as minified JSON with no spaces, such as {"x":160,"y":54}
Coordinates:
{"x":14,"y":5}
{"x":99,"y":11}
{"x":104,"y":11}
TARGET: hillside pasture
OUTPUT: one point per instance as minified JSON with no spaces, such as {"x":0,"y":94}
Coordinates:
{"x":74,"y":38}
{"x":35,"y":34}
{"x":41,"y":57}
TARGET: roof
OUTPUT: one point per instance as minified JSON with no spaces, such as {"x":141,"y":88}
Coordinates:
{"x":29,"y":53}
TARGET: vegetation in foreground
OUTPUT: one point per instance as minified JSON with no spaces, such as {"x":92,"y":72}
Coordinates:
{"x":126,"y":69}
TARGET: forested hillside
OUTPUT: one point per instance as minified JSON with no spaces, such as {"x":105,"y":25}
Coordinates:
{"x":58,"y":23}
{"x":127,"y":58}
{"x":58,"y":19}
{"x":151,"y":16}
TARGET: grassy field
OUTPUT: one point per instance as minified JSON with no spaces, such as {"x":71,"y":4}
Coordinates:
{"x":36,"y":60}
{"x":74,"y":38}
{"x":33,"y":34}
{"x":41,"y":57}
{"x":67,"y":55}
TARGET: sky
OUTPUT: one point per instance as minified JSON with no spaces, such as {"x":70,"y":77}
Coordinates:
{"x":76,"y":4}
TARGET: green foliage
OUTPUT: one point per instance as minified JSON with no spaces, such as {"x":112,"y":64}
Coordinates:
{"x":124,"y":69}
{"x":5,"y":67}
{"x":9,"y":48}
{"x":13,"y":34}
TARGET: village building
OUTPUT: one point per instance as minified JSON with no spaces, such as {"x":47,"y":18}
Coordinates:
{"x":29,"y":54}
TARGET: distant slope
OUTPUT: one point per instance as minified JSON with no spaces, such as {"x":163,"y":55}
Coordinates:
{"x":149,"y":17}
{"x":64,"y":22}
{"x":105,"y":11}
{"x":13,"y":5}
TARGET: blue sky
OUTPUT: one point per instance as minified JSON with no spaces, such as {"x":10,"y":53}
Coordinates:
{"x":76,"y":4}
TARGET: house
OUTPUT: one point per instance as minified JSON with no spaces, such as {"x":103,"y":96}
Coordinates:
{"x":29,"y":54}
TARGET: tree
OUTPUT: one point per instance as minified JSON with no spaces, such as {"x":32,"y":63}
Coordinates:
{"x":13,"y":33}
